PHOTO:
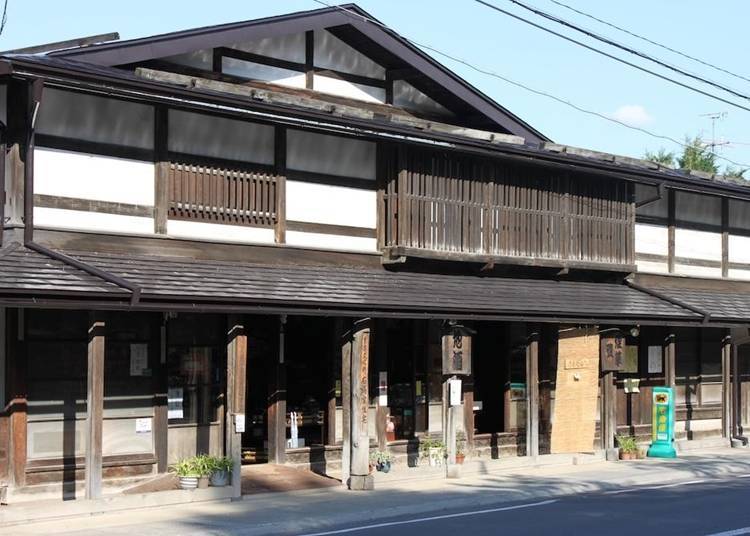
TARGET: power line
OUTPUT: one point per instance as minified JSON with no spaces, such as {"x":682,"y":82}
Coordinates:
{"x":613,"y":57}
{"x":519,"y":84}
{"x":650,"y":41}
{"x":4,"y":18}
{"x":625,"y":48}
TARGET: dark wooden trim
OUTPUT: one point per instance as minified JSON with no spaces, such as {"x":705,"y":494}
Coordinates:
{"x":236,"y":387}
{"x":161,"y":408}
{"x":724,"y":237}
{"x":389,"y":86}
{"x":161,"y":169}
{"x":95,"y":406}
{"x":3,"y":194}
{"x":309,"y":58}
{"x":532,"y":393}
{"x":687,"y":261}
{"x":281,"y":175}
{"x":222,"y":163}
{"x":327,"y":228}
{"x":333,"y":180}
{"x":17,"y":366}
{"x":89,"y":205}
{"x":244,"y":55}
{"x":79,"y":462}
{"x":90,"y":147}
{"x":671,"y":230}
{"x":277,"y":401}
{"x":217,"y":61}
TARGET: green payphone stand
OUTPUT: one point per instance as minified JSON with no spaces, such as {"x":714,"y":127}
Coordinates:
{"x":662,"y":440}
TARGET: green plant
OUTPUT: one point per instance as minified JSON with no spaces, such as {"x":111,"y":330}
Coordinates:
{"x":460,"y":442}
{"x":186,"y":468}
{"x":380,"y":457}
{"x":204,"y":464}
{"x":426,"y":444}
{"x":627,"y":444}
{"x":221,"y":463}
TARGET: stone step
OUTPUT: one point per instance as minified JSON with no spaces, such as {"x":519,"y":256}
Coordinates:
{"x":685,"y":445}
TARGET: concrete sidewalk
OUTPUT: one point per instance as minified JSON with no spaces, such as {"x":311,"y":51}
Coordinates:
{"x":316,"y":510}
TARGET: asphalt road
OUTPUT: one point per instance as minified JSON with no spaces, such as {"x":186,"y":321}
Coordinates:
{"x":709,"y":507}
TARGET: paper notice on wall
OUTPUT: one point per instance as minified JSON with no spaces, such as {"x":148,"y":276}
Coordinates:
{"x":454,"y":388}
{"x":138,"y":359}
{"x":383,"y":389}
{"x":143,"y":425}
{"x":655,"y":362}
{"x":174,"y":403}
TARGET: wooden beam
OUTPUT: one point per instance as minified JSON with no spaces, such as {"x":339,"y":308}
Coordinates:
{"x":726,"y":386}
{"x":68,"y":43}
{"x":161,"y":409}
{"x":95,"y":405}
{"x":724,"y":237}
{"x":277,"y":402}
{"x":346,"y":406}
{"x":669,"y":360}
{"x":359,"y":473}
{"x":309,"y":58}
{"x":236,"y":387}
{"x":281,"y":174}
{"x":532,"y":394}
{"x":671,"y":223}
{"x":161,"y":170}
{"x":334,"y":373}
{"x":608,"y":419}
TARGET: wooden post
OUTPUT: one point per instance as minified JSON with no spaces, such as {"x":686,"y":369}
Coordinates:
{"x":277,"y":402}
{"x":671,"y":230}
{"x":95,"y":406}
{"x":18,"y":394}
{"x":334,"y":364}
{"x":359,"y":472}
{"x":532,"y":395}
{"x":669,"y":360}
{"x":469,"y":412}
{"x":346,"y":404}
{"x":726,"y":387}
{"x":381,"y":361}
{"x":608,"y":420}
{"x":236,"y":378}
{"x":161,"y":409}
{"x":281,"y":172}
{"x":161,"y":170}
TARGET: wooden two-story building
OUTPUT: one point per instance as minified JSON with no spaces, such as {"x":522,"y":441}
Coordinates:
{"x":209,"y":233}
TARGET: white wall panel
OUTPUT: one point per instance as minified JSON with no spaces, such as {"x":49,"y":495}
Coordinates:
{"x":219,"y":233}
{"x":335,"y":86}
{"x":697,"y":271}
{"x":86,"y":176}
{"x":331,"y":155}
{"x":328,"y":241}
{"x":697,"y":244}
{"x":652,"y":267}
{"x":335,"y":205}
{"x":265,"y":73}
{"x":739,"y":274}
{"x":651,"y":239}
{"x":92,"y":221}
{"x":739,"y":248}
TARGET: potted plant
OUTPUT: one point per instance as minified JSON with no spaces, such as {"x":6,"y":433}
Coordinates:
{"x":203,"y":466}
{"x":221,"y":468}
{"x":460,"y":446}
{"x":187,"y":473}
{"x":628,"y":447}
{"x":433,"y":450}
{"x":382,"y":460}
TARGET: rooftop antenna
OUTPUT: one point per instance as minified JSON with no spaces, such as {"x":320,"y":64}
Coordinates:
{"x":715,"y":116}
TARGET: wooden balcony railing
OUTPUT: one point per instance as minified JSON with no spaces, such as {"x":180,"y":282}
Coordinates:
{"x":448,"y":206}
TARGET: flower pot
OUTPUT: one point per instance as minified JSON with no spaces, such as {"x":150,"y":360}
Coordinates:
{"x":219,"y":478}
{"x":460,"y":459}
{"x":436,"y":456}
{"x":188,"y":482}
{"x":627,"y":455}
{"x":384,"y":467}
{"x":390,"y":436}
{"x":203,"y":482}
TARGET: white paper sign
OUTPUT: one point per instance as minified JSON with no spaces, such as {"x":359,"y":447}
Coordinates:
{"x":174,"y":403}
{"x":138,"y":359}
{"x":143,"y":425}
{"x":239,"y":423}
{"x":654,"y":359}
{"x":383,"y":389}
{"x":454,"y":387}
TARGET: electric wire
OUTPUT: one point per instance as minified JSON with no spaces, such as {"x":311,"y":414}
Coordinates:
{"x":612,"y":56}
{"x":651,"y":41}
{"x":520,"y":85}
{"x":625,"y":48}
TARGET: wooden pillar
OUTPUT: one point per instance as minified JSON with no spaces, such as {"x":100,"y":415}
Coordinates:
{"x":532,"y":395}
{"x":281,"y":172}
{"x":235,"y":415}
{"x":608,"y":419}
{"x":381,"y":361}
{"x":726,"y":387}
{"x":671,"y":230}
{"x":277,"y":402}
{"x":161,"y":409}
{"x":670,"y":357}
{"x":17,"y":134}
{"x":468,"y":394}
{"x":334,"y":365}
{"x":95,"y":406}
{"x":18,"y":395}
{"x":161,"y":170}
{"x":346,"y":405}
{"x":359,"y":465}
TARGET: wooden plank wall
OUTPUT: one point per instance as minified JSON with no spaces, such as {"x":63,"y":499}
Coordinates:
{"x":445,"y":202}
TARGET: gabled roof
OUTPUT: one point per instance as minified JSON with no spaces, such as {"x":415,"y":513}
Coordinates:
{"x":349,"y":23}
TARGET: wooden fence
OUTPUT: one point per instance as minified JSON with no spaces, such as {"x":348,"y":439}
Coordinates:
{"x":469,"y":207}
{"x":222,"y":195}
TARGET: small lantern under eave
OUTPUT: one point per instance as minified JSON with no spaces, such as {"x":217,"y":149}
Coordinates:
{"x":457,"y":350}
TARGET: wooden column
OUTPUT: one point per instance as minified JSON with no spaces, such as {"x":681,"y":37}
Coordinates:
{"x":280,"y":170}
{"x":608,"y":420}
{"x":18,"y":104}
{"x":671,"y":226}
{"x":532,"y":395}
{"x":726,"y":387}
{"x":333,"y":370}
{"x":346,"y":406}
{"x":277,"y":402}
{"x":381,"y":360}
{"x":724,"y":237}
{"x":359,"y":467}
{"x":161,"y":170}
{"x":18,"y":395}
{"x":236,"y":378}
{"x":161,"y":409}
{"x":670,"y":357}
{"x":468,"y":386}
{"x":95,"y":406}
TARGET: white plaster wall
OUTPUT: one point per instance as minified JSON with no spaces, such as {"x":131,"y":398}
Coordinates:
{"x":335,"y":86}
{"x":219,"y":233}
{"x":87,"y":176}
{"x":697,"y":244}
{"x":119,"y":437}
{"x":336,"y":205}
{"x":92,"y":221}
{"x":652,"y":267}
{"x":266,"y":73}
{"x":697,"y":271}
{"x":329,"y":241}
{"x":698,"y":425}
{"x":739,"y":248}
{"x":651,"y":239}
{"x":739,"y":274}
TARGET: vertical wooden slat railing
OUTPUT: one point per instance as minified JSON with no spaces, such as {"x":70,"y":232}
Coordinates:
{"x":440,"y":202}
{"x":222,"y":195}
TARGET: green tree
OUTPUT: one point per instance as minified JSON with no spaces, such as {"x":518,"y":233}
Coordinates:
{"x":696,"y":156}
{"x":662,"y":156}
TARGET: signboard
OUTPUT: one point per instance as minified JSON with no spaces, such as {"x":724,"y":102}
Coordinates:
{"x":457,"y":352}
{"x":454,"y":388}
{"x":662,"y":424}
{"x":655,"y":361}
{"x":613,"y":351}
{"x":143,"y":425}
{"x":239,"y":423}
{"x":383,"y":389}
{"x":631,"y":359}
{"x":139,"y":359}
{"x":174,"y":403}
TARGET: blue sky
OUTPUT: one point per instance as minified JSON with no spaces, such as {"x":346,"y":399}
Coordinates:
{"x":713,"y":31}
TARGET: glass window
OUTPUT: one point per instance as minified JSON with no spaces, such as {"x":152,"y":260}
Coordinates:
{"x":196,"y":357}
{"x":696,"y":209}
{"x":219,"y":137}
{"x":739,"y":215}
{"x":97,"y":119}
{"x":330,"y":155}
{"x":657,"y":209}
{"x":332,"y":53}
